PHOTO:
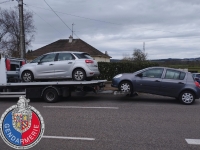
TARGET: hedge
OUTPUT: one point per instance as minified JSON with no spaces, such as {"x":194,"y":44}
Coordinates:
{"x":109,"y":70}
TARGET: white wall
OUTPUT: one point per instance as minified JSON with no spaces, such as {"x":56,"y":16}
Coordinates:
{"x":101,"y":59}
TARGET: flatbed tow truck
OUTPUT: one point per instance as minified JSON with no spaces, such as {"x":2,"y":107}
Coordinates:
{"x":12,"y":87}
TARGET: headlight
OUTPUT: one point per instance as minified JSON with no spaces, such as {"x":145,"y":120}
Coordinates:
{"x":118,"y":76}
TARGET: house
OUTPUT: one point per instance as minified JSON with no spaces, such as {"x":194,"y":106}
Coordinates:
{"x":70,"y":45}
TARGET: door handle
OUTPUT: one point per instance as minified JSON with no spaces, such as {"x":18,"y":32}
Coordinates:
{"x":69,"y":62}
{"x":50,"y":64}
{"x":157,"y":81}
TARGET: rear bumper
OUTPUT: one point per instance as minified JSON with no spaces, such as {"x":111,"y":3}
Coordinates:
{"x":92,"y":73}
{"x":197,"y":94}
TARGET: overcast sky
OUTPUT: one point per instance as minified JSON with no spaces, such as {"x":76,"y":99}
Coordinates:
{"x":169,"y":28}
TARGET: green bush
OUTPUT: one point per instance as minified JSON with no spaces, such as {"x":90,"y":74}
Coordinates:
{"x":109,"y":70}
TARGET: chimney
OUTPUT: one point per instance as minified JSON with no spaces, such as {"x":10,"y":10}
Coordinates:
{"x":70,"y":39}
{"x":106,"y":52}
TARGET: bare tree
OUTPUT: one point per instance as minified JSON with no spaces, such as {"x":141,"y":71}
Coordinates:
{"x":10,"y":32}
{"x":127,"y":57}
{"x":139,"y":55}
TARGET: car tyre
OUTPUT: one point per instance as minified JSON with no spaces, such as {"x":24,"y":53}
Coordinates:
{"x":187,"y":97}
{"x":50,"y":95}
{"x":78,"y":75}
{"x":126,"y":86}
{"x":27,"y":76}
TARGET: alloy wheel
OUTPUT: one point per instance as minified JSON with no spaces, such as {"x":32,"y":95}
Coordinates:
{"x":27,"y":77}
{"x":78,"y":75}
{"x":187,"y":98}
{"x":125,"y":87}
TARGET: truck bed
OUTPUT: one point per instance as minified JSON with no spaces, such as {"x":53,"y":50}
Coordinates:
{"x":26,"y":84}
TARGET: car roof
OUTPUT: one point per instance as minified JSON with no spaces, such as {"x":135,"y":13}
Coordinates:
{"x":67,"y":52}
{"x":168,"y":68}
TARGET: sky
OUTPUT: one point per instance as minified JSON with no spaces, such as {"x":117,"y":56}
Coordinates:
{"x":169,"y":28}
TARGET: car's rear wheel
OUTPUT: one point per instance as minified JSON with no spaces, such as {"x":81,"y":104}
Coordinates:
{"x":125,"y":86}
{"x":78,"y":75}
{"x":187,"y":97}
{"x":27,"y":76}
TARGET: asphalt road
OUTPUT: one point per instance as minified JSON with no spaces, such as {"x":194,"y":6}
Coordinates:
{"x":108,"y":122}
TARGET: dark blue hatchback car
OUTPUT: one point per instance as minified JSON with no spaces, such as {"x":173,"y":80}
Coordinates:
{"x":160,"y":81}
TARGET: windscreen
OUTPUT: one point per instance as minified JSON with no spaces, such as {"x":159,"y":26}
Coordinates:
{"x":37,"y":59}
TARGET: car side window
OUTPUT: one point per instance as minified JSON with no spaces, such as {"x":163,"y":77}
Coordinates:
{"x":36,"y":60}
{"x":65,"y":56}
{"x":153,"y":73}
{"x":48,"y":58}
{"x":182,"y":75}
{"x":173,"y":74}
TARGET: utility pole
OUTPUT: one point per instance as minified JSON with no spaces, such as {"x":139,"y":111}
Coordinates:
{"x":21,"y":26}
{"x":72,"y":29}
{"x":143,"y":46}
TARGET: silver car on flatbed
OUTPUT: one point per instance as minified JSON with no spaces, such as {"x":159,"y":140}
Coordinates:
{"x":161,"y":81}
{"x":60,"y":65}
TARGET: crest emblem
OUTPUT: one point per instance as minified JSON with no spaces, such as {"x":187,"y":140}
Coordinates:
{"x":21,"y":125}
{"x":22,"y":115}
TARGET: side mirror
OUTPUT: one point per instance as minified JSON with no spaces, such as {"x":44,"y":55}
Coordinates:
{"x":39,"y":62}
{"x":140,"y":75}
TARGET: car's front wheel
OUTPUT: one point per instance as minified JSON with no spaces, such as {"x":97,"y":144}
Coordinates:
{"x":187,"y":97}
{"x":125,"y":86}
{"x":78,"y":75}
{"x":27,"y":76}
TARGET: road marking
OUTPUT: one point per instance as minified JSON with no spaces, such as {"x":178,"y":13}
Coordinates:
{"x":68,"y":138}
{"x":81,"y":107}
{"x":193,"y":141}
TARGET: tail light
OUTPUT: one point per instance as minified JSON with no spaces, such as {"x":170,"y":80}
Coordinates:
{"x":8,"y":64}
{"x":197,"y":84}
{"x":22,"y":63}
{"x":89,"y":61}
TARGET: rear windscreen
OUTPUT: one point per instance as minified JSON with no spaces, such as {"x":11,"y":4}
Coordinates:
{"x":83,"y":55}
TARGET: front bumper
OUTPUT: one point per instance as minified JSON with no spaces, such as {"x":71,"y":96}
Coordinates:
{"x":115,"y":82}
